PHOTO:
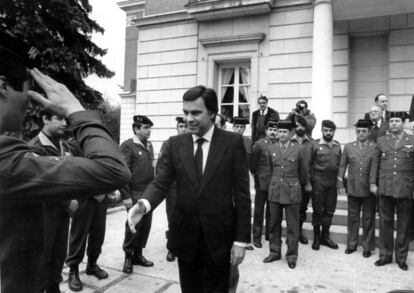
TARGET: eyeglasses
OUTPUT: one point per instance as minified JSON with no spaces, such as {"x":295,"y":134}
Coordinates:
{"x":262,"y":103}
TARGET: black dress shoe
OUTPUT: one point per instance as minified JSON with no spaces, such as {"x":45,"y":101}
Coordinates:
{"x":350,"y":250}
{"x":271,"y":258}
{"x":74,"y":282}
{"x":94,"y":270}
{"x":141,"y":261}
{"x":329,"y":243}
{"x":366,"y":253}
{"x":127,"y":269}
{"x":292,"y":264}
{"x":381,"y":262}
{"x":170,"y":256}
{"x":403,"y":266}
{"x":303,"y":239}
{"x":249,"y":247}
{"x":258,"y":244}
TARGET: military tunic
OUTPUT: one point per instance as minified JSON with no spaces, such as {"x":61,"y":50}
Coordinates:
{"x":261,"y":170}
{"x":140,"y":160}
{"x":396,"y":185}
{"x":289,"y":173}
{"x":324,"y":171}
{"x":362,"y":164}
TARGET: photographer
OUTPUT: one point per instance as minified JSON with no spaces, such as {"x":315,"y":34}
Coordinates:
{"x":302,"y":110}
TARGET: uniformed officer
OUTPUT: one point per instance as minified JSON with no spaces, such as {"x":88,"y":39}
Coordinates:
{"x":289,"y":173}
{"x":28,"y":180}
{"x":261,"y":170}
{"x":302,"y":138}
{"x":239,"y":126}
{"x":49,"y":142}
{"x":396,"y":184}
{"x":361,"y":159}
{"x":139,"y":155}
{"x":172,"y":195}
{"x":325,"y":156}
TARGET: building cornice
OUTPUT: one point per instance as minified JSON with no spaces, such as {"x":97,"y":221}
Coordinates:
{"x":229,"y":40}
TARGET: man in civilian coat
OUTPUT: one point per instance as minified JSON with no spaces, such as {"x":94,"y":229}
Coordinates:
{"x":379,"y":125}
{"x":261,"y":117}
{"x":211,"y":220}
{"x":361,"y":159}
{"x":289,"y":172}
{"x":396,"y":186}
{"x":381,"y":101}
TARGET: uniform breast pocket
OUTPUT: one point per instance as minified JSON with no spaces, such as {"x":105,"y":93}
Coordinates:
{"x":294,"y":190}
{"x":408,"y":152}
{"x":323,"y":155}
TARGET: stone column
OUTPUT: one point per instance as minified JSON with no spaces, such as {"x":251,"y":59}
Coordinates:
{"x":322,"y":61}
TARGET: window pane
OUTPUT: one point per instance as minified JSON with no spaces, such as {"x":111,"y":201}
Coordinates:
{"x":227,"y":76}
{"x":244,"y":94}
{"x":244,"y":111}
{"x":244,"y":75}
{"x":227,"y":94}
{"x":227,"y":111}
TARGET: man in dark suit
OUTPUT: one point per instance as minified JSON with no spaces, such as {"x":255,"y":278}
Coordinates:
{"x":395,"y":190}
{"x":261,"y":117}
{"x":381,"y":101}
{"x":379,"y":124}
{"x":211,"y":220}
{"x":361,"y":159}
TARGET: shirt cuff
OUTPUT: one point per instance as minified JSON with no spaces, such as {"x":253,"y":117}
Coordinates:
{"x":146,"y":204}
{"x":241,"y":244}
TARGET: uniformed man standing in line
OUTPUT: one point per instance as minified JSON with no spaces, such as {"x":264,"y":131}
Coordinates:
{"x":172,"y":195}
{"x":239,"y":126}
{"x":289,"y":173}
{"x":396,"y":185}
{"x":361,"y":159}
{"x":49,"y":142}
{"x":261,"y":170}
{"x":139,"y":155}
{"x":302,"y":138}
{"x":325,"y":156}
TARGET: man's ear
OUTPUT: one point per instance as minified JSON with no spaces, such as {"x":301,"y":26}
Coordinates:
{"x":3,"y":87}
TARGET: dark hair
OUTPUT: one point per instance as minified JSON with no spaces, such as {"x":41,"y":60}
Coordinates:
{"x":262,"y":98}
{"x":136,"y":125}
{"x":48,"y":113}
{"x":13,"y":70}
{"x":377,"y":96}
{"x":208,"y":95}
{"x":302,"y":102}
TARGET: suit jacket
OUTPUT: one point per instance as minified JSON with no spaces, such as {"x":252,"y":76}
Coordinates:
{"x":271,"y":113}
{"x":396,"y":166}
{"x":362,"y":167}
{"x":218,"y":206}
{"x":387,"y":115}
{"x":290,"y":171}
{"x":378,"y":132}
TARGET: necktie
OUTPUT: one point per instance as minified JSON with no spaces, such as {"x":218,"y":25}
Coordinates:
{"x":283,"y":148}
{"x":395,"y":138}
{"x":363,"y":146}
{"x":198,"y":158}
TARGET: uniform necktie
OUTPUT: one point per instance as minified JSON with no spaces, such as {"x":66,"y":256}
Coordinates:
{"x":283,"y":148}
{"x":198,"y":158}
{"x":363,"y":145}
{"x":395,"y":138}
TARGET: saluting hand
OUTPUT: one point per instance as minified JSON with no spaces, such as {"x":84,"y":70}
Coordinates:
{"x":135,"y":215}
{"x":59,"y":99}
{"x":237,"y":255}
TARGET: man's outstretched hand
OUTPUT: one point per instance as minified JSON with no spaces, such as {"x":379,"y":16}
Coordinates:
{"x":58,"y":98}
{"x":135,"y":215}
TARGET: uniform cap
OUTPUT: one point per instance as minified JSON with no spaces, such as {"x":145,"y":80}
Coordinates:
{"x":285,"y":124}
{"x":272,"y":123}
{"x":328,"y":124}
{"x":240,"y":120}
{"x":398,"y":114}
{"x":23,"y":51}
{"x":179,"y":119}
{"x":363,"y":123}
{"x":142,"y":120}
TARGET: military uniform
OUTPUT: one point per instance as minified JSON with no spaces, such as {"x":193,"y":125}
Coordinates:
{"x":26,"y":181}
{"x":362,"y":164}
{"x":140,"y":161}
{"x":307,"y":145}
{"x":247,"y":144}
{"x":289,"y":173}
{"x":56,"y":218}
{"x":396,"y":185}
{"x":261,"y":170}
